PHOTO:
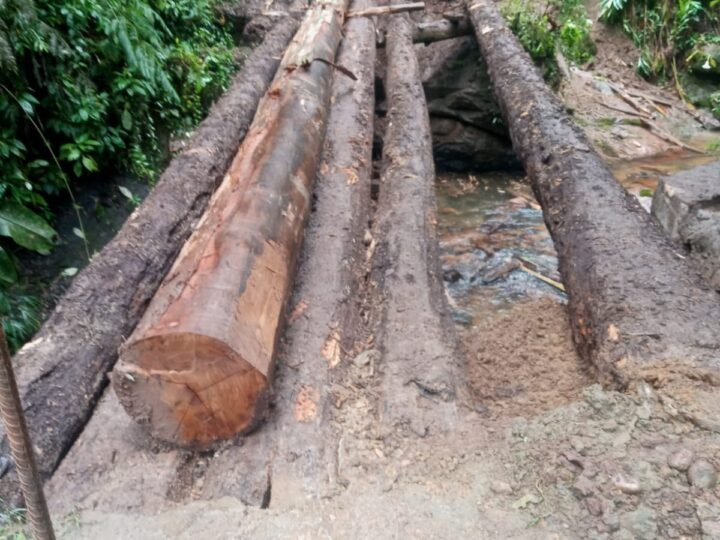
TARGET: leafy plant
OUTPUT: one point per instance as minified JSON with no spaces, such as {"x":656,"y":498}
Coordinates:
{"x":665,"y":31}
{"x":91,"y":86}
{"x":543,"y":30}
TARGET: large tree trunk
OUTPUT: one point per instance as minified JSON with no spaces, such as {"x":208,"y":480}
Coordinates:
{"x":638,"y":310}
{"x":62,"y":372}
{"x":198,"y":367}
{"x":416,"y":336}
{"x":326,"y":312}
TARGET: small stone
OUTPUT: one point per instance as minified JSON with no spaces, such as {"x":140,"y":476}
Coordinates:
{"x":594,"y":506}
{"x":364,"y":358}
{"x":681,"y":460}
{"x":629,"y":486}
{"x":612,"y":522}
{"x":583,"y":487}
{"x":702,"y":474}
{"x":501,"y":488}
{"x":640,"y":523}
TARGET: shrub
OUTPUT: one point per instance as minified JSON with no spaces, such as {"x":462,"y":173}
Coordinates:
{"x":94,"y":84}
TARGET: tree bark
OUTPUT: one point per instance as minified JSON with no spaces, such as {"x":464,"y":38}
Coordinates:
{"x":62,"y":372}
{"x":198,"y":367}
{"x":415,"y":335}
{"x":638,"y":310}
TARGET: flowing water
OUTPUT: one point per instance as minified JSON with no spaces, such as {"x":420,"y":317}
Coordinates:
{"x":492,"y":231}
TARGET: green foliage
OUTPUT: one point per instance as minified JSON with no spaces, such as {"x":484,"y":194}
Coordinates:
{"x":666,"y":31}
{"x":95,"y":85}
{"x":543,"y":30}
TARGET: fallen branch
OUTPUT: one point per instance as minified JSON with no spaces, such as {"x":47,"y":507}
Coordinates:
{"x":440,"y":30}
{"x":388,"y":10}
{"x":559,"y":286}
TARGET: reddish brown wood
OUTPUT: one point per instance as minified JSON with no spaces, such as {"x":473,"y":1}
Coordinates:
{"x":198,"y":366}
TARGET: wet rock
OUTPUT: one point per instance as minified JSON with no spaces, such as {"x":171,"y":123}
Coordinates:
{"x":702,"y":474}
{"x":465,"y":119}
{"x":687,"y":205}
{"x":641,"y":523}
{"x":681,"y":460}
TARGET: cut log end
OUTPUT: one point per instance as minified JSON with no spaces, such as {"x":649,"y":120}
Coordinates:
{"x":190,"y":389}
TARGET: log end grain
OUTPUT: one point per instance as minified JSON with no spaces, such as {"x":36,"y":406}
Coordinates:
{"x":189,"y":389}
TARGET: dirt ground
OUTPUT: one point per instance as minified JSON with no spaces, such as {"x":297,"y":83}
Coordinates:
{"x":535,"y":449}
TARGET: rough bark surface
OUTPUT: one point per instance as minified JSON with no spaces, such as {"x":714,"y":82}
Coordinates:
{"x":198,"y":367}
{"x":417,"y":343}
{"x":294,"y":452}
{"x":638,"y":309}
{"x":114,"y":456}
{"x":62,"y":372}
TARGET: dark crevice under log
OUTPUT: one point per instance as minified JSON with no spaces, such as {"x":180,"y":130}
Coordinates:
{"x":198,"y":367}
{"x":416,"y":337}
{"x":62,"y":372}
{"x":638,"y":309}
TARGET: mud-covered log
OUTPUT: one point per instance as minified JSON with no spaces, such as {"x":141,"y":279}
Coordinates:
{"x":440,"y":30}
{"x":197,"y":368}
{"x":638,"y":309}
{"x":416,"y":337}
{"x":62,"y":372}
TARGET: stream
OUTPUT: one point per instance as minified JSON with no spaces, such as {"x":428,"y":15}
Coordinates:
{"x":491,"y":230}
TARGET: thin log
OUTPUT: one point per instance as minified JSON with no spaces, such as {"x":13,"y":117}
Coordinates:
{"x":416,"y":335}
{"x":638,"y":311}
{"x":198,"y":367}
{"x":440,"y":30}
{"x":62,"y":372}
{"x":388,"y":10}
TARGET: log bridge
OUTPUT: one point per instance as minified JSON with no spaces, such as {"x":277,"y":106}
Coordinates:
{"x":193,"y":290}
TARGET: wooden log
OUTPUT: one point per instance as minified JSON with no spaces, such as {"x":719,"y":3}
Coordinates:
{"x":62,"y":372}
{"x":415,"y":335}
{"x":388,"y":10}
{"x":638,"y":310}
{"x":197,"y":369}
{"x":440,"y":30}
{"x":325,"y":306}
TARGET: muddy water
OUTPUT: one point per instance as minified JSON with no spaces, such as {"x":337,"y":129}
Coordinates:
{"x":513,"y":326}
{"x":489,"y":224}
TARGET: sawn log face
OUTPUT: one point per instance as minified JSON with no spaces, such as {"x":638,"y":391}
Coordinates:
{"x":638,"y":309}
{"x":62,"y":372}
{"x":198,"y":367}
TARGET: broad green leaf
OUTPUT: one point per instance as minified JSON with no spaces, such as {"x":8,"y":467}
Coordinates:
{"x":89,"y":164}
{"x":8,"y":272}
{"x":26,"y":227}
{"x":126,"y":120}
{"x":78,"y":232}
{"x":70,"y":271}
{"x":126,"y":192}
